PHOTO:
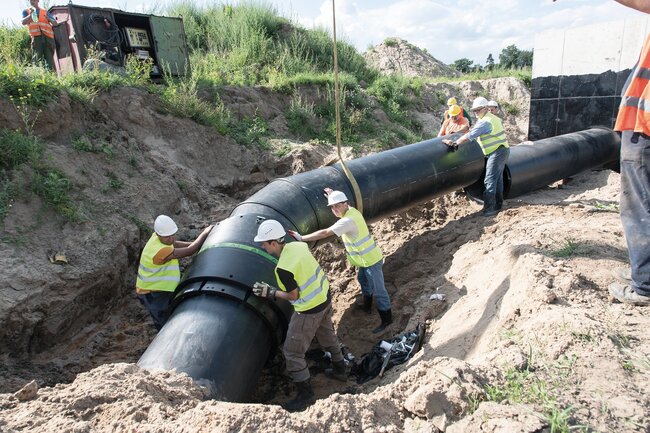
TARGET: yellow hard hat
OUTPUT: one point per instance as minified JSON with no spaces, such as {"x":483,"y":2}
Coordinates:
{"x":454,"y":110}
{"x":452,"y":101}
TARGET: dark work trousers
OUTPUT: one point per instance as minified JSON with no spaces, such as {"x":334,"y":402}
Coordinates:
{"x":43,"y":51}
{"x":635,"y":207}
{"x":302,"y":330}
{"x":157,"y":304}
{"x":496,"y":163}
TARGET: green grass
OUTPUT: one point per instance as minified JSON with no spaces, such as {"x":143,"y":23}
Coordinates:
{"x":530,"y":387}
{"x":607,"y":207}
{"x":251,"y":132}
{"x":180,"y":98}
{"x":54,"y":188}
{"x":567,"y":249}
{"x":509,"y":108}
{"x":17,"y":149}
{"x":390,"y":42}
{"x":14,"y":45}
{"x":524,"y":74}
{"x":7,"y":193}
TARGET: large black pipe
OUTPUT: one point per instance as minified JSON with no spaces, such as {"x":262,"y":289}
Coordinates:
{"x":534,"y":165}
{"x":221,"y":335}
{"x":225,"y":344}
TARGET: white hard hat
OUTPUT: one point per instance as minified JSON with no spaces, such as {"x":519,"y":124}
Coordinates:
{"x":493,"y":103}
{"x":479,"y":102}
{"x":336,"y":197}
{"x":165,"y":226}
{"x":269,"y":230}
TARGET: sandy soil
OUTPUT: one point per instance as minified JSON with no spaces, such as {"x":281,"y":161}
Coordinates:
{"x":525,"y":341}
{"x":513,"y":307}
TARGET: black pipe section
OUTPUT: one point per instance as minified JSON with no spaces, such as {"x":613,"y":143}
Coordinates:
{"x":534,"y":165}
{"x":219,"y":333}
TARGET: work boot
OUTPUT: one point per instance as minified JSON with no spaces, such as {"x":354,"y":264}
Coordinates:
{"x":489,"y":206}
{"x":489,"y":212}
{"x":386,"y":319}
{"x":364,"y":303}
{"x":626,"y":294}
{"x":338,"y":372}
{"x":303,"y":399}
{"x":499,"y":201}
{"x":624,"y":275}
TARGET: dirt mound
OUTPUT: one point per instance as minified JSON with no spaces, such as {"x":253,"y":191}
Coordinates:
{"x":512,"y":95}
{"x":397,"y":56}
{"x":525,"y":334}
{"x":524,"y":341}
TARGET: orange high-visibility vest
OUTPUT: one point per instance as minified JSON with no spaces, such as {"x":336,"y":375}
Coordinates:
{"x":634,"y":111}
{"x":42,"y":26}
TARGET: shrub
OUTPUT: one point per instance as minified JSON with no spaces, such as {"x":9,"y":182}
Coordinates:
{"x":17,"y":149}
{"x":14,"y":45}
{"x":390,"y":42}
{"x":53,"y":187}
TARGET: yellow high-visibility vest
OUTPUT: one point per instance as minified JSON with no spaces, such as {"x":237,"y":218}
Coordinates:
{"x":310,"y":277}
{"x":491,"y":141}
{"x":362,"y":250}
{"x":157,"y":278}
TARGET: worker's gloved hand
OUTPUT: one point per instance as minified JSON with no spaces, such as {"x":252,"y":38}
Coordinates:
{"x":451,"y":145}
{"x":264,"y":290}
{"x":297,"y":236}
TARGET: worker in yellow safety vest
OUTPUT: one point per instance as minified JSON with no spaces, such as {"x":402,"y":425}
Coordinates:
{"x":159,"y":271}
{"x":491,"y":136}
{"x":39,"y":21}
{"x":633,"y":121}
{"x":363,"y":253}
{"x":303,"y":283}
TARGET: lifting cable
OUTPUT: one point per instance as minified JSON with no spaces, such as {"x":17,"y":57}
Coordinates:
{"x":337,"y":98}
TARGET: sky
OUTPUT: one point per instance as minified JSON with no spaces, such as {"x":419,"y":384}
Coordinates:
{"x":449,"y":30}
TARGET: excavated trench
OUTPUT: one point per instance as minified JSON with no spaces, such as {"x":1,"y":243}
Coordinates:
{"x":127,"y":331}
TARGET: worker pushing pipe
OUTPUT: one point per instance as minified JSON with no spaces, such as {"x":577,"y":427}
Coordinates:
{"x":221,"y":335}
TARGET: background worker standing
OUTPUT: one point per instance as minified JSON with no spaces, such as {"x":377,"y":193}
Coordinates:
{"x":633,"y":121}
{"x":464,"y":114}
{"x":159,"y":272}
{"x":490,"y":135}
{"x":362,"y":252}
{"x":455,"y":122}
{"x":493,"y":106}
{"x":39,"y":22}
{"x":304,"y":284}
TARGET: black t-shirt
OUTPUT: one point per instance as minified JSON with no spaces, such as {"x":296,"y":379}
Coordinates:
{"x":289,"y":282}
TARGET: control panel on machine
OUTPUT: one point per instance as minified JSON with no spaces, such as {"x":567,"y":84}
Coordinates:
{"x":137,"y":38}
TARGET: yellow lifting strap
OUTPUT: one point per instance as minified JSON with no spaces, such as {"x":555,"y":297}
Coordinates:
{"x":337,"y":98}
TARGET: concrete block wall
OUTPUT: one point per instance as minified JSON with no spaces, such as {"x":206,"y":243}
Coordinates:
{"x":578,"y":75}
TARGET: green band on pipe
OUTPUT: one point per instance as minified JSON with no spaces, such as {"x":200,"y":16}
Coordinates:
{"x":243,"y":247}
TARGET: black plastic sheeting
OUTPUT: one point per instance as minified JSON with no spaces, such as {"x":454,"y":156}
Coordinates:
{"x":221,"y":335}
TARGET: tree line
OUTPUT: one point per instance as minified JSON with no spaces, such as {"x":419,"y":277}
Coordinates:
{"x":511,"y":57}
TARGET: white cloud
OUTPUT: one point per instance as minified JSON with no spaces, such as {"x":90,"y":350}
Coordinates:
{"x":466,"y":28}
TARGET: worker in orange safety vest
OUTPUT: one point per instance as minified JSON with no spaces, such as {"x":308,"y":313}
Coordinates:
{"x":633,"y":121}
{"x":39,"y":22}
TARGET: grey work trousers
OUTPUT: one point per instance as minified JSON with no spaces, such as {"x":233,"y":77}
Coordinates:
{"x":635,"y":207}
{"x":302,"y":330}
